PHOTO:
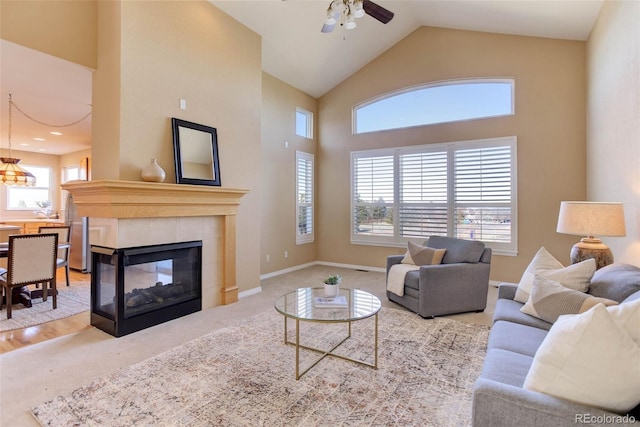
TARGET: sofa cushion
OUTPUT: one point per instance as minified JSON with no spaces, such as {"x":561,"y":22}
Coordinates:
{"x":506,"y":366}
{"x":516,"y":337}
{"x":550,"y":299}
{"x":412,"y":280}
{"x":575,"y":276}
{"x":458,"y":250}
{"x":509,"y":310}
{"x":577,"y":362}
{"x":422,"y":255}
{"x":615,"y":281}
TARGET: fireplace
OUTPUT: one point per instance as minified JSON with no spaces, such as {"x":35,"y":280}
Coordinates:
{"x":136,"y":288}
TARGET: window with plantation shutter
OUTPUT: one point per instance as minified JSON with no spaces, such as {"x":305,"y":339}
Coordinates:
{"x":373,"y":196}
{"x":462,"y":189}
{"x":483,"y":193}
{"x":423,"y":184}
{"x":304,"y":197}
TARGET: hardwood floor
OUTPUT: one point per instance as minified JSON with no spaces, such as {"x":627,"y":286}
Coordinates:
{"x":12,"y":340}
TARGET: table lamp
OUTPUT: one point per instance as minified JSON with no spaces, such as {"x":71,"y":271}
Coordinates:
{"x":591,"y":219}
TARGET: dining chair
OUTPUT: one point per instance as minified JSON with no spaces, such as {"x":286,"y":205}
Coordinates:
{"x":64,"y":235}
{"x":31,"y":259}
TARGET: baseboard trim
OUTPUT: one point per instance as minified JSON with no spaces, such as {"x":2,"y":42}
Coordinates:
{"x":286,"y":270}
{"x":328,"y":264}
{"x":352,"y":266}
{"x":250,"y":292}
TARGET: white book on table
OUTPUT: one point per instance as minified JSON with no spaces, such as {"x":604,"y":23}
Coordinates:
{"x":339,"y":301}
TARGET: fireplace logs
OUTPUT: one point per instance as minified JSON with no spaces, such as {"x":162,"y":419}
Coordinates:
{"x":157,"y":293}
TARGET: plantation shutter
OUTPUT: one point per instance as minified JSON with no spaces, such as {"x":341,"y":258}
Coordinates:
{"x":304,"y":197}
{"x":373,"y":195}
{"x":483,"y":193}
{"x":423,"y":194}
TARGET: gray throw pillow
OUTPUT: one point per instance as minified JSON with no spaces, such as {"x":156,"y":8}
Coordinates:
{"x":615,"y":281}
{"x":458,"y":250}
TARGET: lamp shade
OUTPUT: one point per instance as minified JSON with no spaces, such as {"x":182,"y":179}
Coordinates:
{"x":12,"y":174}
{"x":591,"y":219}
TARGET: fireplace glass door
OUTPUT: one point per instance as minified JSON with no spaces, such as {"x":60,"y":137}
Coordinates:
{"x":134,"y":288}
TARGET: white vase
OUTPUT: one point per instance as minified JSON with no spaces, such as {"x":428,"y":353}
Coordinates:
{"x":330,"y":290}
{"x":153,"y":172}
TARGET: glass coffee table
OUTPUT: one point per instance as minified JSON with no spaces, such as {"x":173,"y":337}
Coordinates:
{"x":310,"y":305}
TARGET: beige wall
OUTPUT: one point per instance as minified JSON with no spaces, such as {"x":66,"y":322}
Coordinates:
{"x":549,"y":124}
{"x":169,"y":51}
{"x":149,"y":55}
{"x":278,"y":214}
{"x":613,"y":119}
{"x":66,"y":29}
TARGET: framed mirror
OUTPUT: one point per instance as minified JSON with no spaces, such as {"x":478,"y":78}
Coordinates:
{"x":195,"y":150}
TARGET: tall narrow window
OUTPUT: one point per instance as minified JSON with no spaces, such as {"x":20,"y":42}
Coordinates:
{"x":433,"y":103}
{"x":304,"y":123}
{"x":304,"y":197}
{"x":462,"y":189}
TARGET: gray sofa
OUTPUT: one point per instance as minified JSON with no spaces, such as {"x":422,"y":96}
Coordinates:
{"x":459,"y":284}
{"x":499,"y":398}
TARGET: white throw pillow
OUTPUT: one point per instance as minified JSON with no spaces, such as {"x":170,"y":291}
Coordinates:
{"x":627,"y":316}
{"x":589,"y":359}
{"x":575,"y":276}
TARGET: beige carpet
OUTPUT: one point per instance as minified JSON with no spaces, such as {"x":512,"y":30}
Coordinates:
{"x":38,"y":373}
{"x":71,"y":301}
{"x":244,"y":376}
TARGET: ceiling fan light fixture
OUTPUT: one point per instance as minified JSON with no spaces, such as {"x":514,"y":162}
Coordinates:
{"x":358,"y":9}
{"x":337,"y":6}
{"x":331,"y":20}
{"x":350,"y":24}
{"x":346,"y":11}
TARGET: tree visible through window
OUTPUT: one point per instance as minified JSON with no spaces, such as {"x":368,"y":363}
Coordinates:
{"x":27,"y":198}
{"x":304,"y":197}
{"x":461,"y":189}
{"x":433,"y":103}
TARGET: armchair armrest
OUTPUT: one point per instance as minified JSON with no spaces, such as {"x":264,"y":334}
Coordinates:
{"x":393,"y":260}
{"x":507,"y":290}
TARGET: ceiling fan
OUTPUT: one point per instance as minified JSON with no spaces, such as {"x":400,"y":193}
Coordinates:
{"x":344,"y":12}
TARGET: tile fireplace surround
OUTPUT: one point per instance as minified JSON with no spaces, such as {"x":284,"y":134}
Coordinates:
{"x":126,"y":214}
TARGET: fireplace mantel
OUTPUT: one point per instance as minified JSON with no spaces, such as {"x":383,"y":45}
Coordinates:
{"x":136,"y":199}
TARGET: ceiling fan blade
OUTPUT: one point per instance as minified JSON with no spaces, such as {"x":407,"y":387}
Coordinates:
{"x":376,"y":11}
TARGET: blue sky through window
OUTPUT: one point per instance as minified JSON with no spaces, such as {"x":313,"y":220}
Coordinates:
{"x":439,"y":103}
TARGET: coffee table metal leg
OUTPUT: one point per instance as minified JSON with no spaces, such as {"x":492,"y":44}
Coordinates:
{"x":375,"y":345}
{"x":298,"y":349}
{"x":285,"y":329}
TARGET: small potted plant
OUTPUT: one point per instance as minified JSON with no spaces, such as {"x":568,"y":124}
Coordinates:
{"x":331,"y":285}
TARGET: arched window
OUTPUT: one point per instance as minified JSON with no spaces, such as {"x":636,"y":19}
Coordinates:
{"x":433,"y":103}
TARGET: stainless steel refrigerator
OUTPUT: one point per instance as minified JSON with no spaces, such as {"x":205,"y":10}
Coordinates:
{"x":80,"y":253}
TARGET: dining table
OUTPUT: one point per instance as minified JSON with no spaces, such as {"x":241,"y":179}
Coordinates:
{"x":24,"y":295}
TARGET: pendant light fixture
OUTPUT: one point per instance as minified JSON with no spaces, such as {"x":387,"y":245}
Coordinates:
{"x":10,"y":172}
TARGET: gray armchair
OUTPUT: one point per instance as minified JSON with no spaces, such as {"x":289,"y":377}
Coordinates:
{"x":459,"y":284}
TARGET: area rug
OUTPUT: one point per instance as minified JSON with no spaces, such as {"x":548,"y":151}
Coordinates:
{"x":244,"y":376}
{"x":71,"y":301}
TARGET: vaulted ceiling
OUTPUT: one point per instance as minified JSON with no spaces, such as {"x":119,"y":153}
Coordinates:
{"x":293,"y":50}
